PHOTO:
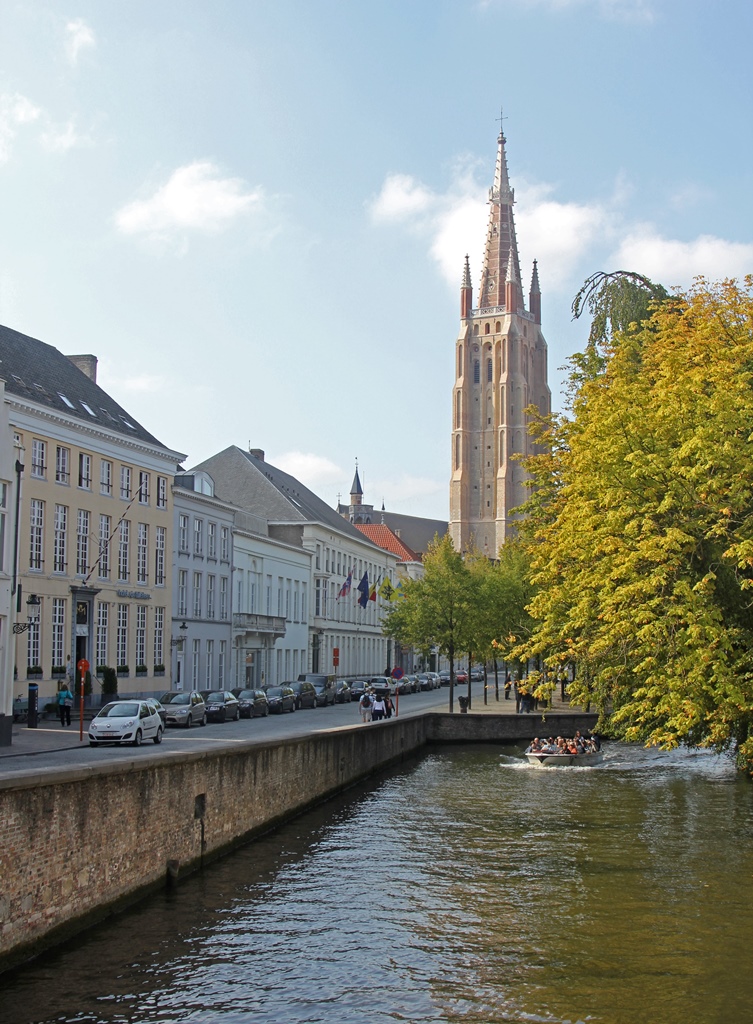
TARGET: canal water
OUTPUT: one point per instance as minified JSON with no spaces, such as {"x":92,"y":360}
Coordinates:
{"x":466,"y":886}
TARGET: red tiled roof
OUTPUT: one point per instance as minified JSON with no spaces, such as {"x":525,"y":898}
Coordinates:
{"x":382,"y":535}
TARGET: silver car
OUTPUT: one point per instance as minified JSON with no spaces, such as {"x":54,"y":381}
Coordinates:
{"x":184,"y":707}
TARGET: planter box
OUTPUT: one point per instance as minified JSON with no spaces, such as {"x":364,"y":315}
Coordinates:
{"x":159,"y":672}
{"x":123,"y":670}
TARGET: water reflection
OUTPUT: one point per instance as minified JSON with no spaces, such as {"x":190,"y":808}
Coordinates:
{"x":467,"y":886}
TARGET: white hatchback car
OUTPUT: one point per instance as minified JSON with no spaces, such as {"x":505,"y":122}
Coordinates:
{"x":125,"y":721}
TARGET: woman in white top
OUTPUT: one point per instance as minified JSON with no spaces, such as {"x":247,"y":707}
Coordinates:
{"x":378,"y":709}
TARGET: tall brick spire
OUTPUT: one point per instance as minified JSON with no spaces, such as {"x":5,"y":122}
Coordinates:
{"x":501,"y":242}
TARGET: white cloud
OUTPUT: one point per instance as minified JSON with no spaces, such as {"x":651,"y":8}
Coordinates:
{"x":454,"y":223}
{"x":676,"y":263}
{"x":312,"y":470}
{"x":195,"y":197}
{"x":15,"y":111}
{"x":78,"y":36}
{"x":61,"y":139}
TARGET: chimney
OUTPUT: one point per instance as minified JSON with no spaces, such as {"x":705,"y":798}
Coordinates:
{"x":87,"y":365}
{"x":258,"y":453}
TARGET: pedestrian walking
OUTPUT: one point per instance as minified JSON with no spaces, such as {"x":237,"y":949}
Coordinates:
{"x":389,"y":707}
{"x":365,"y":707}
{"x":508,"y":686}
{"x":377,"y":709}
{"x":518,"y":695}
{"x":65,"y":703}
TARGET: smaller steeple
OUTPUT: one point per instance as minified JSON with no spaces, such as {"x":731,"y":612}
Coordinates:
{"x":534,"y":296}
{"x":466,"y":291}
{"x":356,"y":491}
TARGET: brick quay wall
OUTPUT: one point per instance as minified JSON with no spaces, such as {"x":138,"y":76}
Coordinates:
{"x":79,"y":844}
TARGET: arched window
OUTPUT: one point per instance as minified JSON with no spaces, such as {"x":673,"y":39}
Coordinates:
{"x":475,"y":328}
{"x":476,"y":371}
{"x":486,"y":328}
{"x":460,"y":360}
{"x":457,"y":409}
{"x":457,"y":451}
{"x":489,"y":370}
{"x":497,"y":327}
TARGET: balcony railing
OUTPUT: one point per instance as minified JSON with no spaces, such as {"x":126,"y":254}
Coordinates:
{"x":247,"y":622}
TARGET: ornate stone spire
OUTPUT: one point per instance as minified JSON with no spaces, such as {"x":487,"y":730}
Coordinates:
{"x":501,"y":242}
{"x":534,"y":296}
{"x":356,"y":491}
{"x":466,"y":291}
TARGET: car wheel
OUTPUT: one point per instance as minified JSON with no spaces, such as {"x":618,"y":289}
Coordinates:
{"x":93,"y":743}
{"x":203,"y":722}
{"x":158,"y":737}
{"x":137,"y":738}
{"x":292,"y":709}
{"x":189,"y":721}
{"x":237,"y":714}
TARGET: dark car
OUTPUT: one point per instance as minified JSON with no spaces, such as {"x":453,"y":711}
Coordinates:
{"x":325,"y":693}
{"x":403,"y":686}
{"x":305,"y":694}
{"x":184,"y":707}
{"x":158,"y":708}
{"x":281,"y":698}
{"x":222,"y":705}
{"x":357,"y":688}
{"x":444,"y":677}
{"x":252,"y":703}
{"x":424,"y":682}
{"x":343,"y":693}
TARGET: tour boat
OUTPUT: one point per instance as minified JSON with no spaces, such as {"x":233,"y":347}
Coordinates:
{"x":544,"y":760}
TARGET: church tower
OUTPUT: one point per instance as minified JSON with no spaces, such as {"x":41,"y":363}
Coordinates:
{"x":500,"y":370}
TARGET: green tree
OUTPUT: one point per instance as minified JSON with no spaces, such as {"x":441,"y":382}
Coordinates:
{"x":436,"y":609}
{"x":642,"y":550}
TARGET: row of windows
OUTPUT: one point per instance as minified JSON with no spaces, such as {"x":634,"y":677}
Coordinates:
{"x":117,"y":626}
{"x":207,"y":599}
{"x":204,"y":537}
{"x":94,"y":539}
{"x":208,"y":680}
{"x":129,"y":479}
{"x":289,"y":600}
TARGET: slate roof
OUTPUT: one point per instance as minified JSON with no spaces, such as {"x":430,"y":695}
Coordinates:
{"x":389,"y":541}
{"x":414,"y":531}
{"x":268,"y":491}
{"x":39,"y":373}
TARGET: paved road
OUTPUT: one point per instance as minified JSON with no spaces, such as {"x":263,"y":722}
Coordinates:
{"x":51,"y":747}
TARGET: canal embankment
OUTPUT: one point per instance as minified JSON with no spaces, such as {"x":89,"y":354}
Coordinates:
{"x":78,"y":844}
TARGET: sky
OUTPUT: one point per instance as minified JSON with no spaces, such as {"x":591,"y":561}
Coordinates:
{"x":255,"y":214}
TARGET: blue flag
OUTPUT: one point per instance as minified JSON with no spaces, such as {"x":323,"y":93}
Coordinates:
{"x":363,"y":590}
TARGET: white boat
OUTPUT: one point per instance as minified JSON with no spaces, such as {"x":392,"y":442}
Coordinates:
{"x":544,"y":760}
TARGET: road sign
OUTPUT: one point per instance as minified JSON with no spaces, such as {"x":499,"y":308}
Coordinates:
{"x":82,"y":666}
{"x":397,"y":673}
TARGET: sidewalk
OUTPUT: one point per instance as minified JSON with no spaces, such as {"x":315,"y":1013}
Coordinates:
{"x":49,"y":736}
{"x":502,"y":706}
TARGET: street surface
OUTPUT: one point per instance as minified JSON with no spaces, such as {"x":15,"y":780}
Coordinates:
{"x":50,"y":746}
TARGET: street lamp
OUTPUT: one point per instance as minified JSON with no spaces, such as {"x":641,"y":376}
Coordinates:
{"x":33,"y":606}
{"x":175,"y":640}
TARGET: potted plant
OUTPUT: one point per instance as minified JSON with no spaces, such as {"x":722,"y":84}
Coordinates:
{"x":58,"y":672}
{"x":123,"y":670}
{"x":141,"y":670}
{"x":159,"y":670}
{"x":87,"y":684}
{"x":34,"y":672}
{"x":109,"y":679}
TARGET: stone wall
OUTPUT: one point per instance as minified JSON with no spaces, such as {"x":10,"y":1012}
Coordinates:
{"x":77,"y":845}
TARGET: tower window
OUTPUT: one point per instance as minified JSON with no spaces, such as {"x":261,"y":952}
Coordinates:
{"x":486,"y":328}
{"x":476,"y":371}
{"x":497,"y":327}
{"x":489,"y":370}
{"x":460,"y":360}
{"x":457,"y":451}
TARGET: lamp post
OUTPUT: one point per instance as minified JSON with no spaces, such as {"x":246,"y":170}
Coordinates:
{"x":33,"y":608}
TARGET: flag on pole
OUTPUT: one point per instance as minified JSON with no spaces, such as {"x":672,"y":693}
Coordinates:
{"x":387,"y":591}
{"x":373,"y":592}
{"x":345,"y":588}
{"x":363,"y":590}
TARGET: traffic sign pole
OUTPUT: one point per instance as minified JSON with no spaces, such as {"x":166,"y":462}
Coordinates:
{"x":83,"y":667}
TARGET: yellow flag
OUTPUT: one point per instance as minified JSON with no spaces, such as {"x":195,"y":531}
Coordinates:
{"x":387,"y":591}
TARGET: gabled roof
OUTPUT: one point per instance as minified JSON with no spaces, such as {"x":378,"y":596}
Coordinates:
{"x":39,"y":373}
{"x":258,"y":486}
{"x":384,"y":537}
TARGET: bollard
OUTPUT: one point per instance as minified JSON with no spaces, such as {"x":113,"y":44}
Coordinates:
{"x":33,"y":705}
{"x":463,"y":702}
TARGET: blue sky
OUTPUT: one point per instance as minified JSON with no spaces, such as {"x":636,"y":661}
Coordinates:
{"x":255,"y":213}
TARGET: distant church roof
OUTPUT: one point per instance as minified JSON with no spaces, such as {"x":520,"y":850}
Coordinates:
{"x":382,"y":535}
{"x":355,"y":487}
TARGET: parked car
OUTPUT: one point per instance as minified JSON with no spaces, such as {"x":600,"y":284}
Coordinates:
{"x":382,"y":686}
{"x":477,"y":675}
{"x":313,"y":677}
{"x":436,"y":681}
{"x":153,"y":702}
{"x":357,"y":688}
{"x":305,"y":694}
{"x":325,"y":693}
{"x":461,"y":676}
{"x":403,"y":686}
{"x":342,"y":692}
{"x":126,"y":721}
{"x":424,"y":682}
{"x":281,"y":698}
{"x":415,"y":686}
{"x":444,"y":677}
{"x":222,"y":705}
{"x":252,"y":703}
{"x":184,"y":707}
